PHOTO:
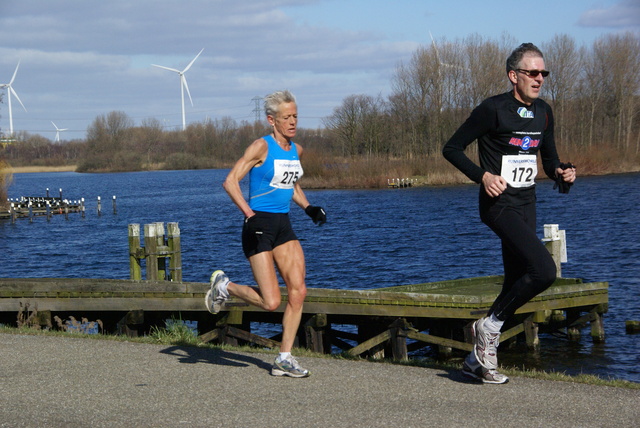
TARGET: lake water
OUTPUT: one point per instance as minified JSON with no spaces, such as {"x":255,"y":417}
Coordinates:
{"x":373,"y":238}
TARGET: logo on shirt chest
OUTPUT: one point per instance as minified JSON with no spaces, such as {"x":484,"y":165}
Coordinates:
{"x":523,"y":112}
{"x":526,"y":143}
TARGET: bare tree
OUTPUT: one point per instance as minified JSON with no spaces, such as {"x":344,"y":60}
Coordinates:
{"x":150,"y":139}
{"x":418,"y":92}
{"x":485,"y":66}
{"x":343,"y":124}
{"x":108,"y":144}
{"x":616,"y":56}
{"x":591,"y":87}
{"x":561,"y":57}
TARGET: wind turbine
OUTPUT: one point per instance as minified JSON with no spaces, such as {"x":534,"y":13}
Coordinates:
{"x":10,"y":91}
{"x":58,"y":131}
{"x":435,"y":48}
{"x":183,"y":85}
{"x":441,"y":64}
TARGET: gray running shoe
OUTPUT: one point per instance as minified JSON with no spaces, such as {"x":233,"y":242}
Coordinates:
{"x":483,"y":374}
{"x":288,"y":367}
{"x":485,"y":345}
{"x":215,"y":298}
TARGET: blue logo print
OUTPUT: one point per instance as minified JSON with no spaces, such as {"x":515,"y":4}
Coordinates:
{"x":523,"y":112}
{"x":526,"y":142}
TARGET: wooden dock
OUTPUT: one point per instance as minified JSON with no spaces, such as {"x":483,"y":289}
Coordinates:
{"x":47,"y":206}
{"x":33,"y":206}
{"x":387,"y":322}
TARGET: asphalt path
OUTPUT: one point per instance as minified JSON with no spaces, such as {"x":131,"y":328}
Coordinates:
{"x":50,"y":381}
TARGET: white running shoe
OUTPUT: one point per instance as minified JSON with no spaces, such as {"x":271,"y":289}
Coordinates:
{"x":288,"y":367}
{"x":215,"y":297}
{"x":485,"y":345}
{"x":483,"y":374}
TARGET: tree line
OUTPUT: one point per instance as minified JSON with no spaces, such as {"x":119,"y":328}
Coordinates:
{"x":595,"y":102}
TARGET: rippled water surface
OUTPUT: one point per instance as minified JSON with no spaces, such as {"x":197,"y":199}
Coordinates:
{"x":374,"y":238}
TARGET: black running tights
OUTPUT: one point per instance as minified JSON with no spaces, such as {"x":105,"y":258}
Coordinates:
{"x":529,"y":268}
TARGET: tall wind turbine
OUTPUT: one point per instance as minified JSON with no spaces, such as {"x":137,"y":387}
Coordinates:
{"x":10,"y":91}
{"x":183,"y":85}
{"x":58,"y":131}
{"x":435,"y":48}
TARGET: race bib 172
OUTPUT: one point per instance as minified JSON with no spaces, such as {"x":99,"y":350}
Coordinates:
{"x":519,"y":170}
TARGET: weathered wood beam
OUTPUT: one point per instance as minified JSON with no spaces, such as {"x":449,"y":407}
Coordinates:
{"x":368,"y":344}
{"x":440,"y":341}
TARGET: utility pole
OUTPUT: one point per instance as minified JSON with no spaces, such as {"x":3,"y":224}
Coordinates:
{"x":257,"y":110}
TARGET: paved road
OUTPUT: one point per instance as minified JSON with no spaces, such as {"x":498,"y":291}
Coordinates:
{"x":74,"y":382}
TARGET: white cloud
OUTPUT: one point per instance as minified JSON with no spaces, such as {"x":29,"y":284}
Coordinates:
{"x":80,"y":59}
{"x":83,"y":59}
{"x":625,"y":14}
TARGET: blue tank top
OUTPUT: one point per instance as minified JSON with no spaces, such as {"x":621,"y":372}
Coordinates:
{"x":271,"y":184}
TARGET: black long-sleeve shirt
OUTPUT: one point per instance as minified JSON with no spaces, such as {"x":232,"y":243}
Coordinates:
{"x":504,"y":126}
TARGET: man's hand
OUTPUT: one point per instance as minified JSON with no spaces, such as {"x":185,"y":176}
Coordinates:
{"x":567,"y":171}
{"x":565,"y":176}
{"x":494,"y":185}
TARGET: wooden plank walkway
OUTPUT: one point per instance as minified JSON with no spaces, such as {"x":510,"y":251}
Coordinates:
{"x":392,"y":320}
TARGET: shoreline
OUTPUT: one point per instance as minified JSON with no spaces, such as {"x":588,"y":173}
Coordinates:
{"x":30,"y":169}
{"x":421,"y":180}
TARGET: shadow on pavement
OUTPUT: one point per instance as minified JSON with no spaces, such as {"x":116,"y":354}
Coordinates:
{"x":188,"y":355}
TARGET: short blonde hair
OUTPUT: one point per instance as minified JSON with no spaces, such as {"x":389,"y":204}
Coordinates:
{"x":272,"y":101}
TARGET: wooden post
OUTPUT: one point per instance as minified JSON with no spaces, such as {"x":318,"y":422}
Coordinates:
{"x":175,"y":260}
{"x":115,"y":210}
{"x":135,"y":267}
{"x":556,"y":242}
{"x":131,"y":323}
{"x":573,"y":331}
{"x":597,"y":326}
{"x":399,"y":339}
{"x":227,"y":320}
{"x":100,"y":207}
{"x":316,"y":331}
{"x":531,"y":333}
{"x":44,"y":319}
{"x":151,"y":251}
{"x":632,"y":326}
{"x":444,"y":329}
{"x":160,"y":254}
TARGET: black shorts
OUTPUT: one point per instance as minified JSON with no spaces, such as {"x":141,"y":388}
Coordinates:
{"x":265,"y":231}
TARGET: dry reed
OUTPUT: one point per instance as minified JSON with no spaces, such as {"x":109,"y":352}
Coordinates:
{"x":329,"y":172}
{"x":5,"y":181}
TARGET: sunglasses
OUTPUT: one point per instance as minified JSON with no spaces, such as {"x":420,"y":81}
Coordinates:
{"x":533,"y":73}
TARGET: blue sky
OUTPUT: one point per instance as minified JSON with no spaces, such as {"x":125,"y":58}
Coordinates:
{"x":80,"y":59}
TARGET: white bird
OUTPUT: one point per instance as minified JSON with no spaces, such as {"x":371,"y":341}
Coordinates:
{"x":183,"y":85}
{"x":58,"y":131}
{"x":10,"y":91}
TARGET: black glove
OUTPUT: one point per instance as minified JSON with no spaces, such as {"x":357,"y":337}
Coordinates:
{"x":317,"y":214}
{"x":561,"y":185}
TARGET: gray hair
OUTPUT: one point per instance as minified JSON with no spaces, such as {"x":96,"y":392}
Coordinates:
{"x":272,"y":101}
{"x":513,"y":62}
